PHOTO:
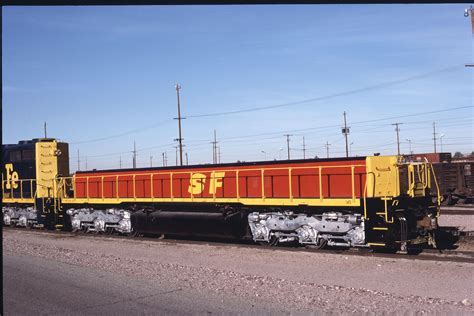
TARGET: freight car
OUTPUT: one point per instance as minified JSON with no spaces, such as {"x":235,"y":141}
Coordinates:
{"x":454,"y":176}
{"x":374,"y":201}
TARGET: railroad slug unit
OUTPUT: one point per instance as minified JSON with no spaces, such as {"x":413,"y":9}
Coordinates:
{"x":373,"y":201}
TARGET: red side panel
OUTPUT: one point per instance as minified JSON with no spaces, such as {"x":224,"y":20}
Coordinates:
{"x":338,"y":179}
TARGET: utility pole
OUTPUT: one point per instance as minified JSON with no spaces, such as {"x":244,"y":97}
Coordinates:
{"x":176,"y":147}
{"x":120,"y":162}
{"x":45,"y":134}
{"x":434,"y":136}
{"x":397,"y":129}
{"x":327,"y":148}
{"x":166,"y":158}
{"x":214,"y":149}
{"x":288,"y":144}
{"x":345,"y":131}
{"x":409,"y":146}
{"x":304,"y":149}
{"x":151,"y":161}
{"x":86,"y":163}
{"x":187,"y":163}
{"x":134,"y":155}
{"x":78,"y":161}
{"x":163,"y":156}
{"x":219,"y":154}
{"x":179,"y":139}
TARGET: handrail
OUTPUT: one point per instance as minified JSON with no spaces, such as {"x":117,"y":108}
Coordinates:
{"x":21,"y":188}
{"x":438,"y":200}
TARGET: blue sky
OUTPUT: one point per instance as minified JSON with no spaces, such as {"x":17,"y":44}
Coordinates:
{"x":101,"y":72}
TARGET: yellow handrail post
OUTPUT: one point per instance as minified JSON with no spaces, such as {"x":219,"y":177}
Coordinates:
{"x":117,"y":186}
{"x":134,"y":189}
{"x":353,"y":182}
{"x":290,"y":189}
{"x":213,"y":177}
{"x":171,"y":186}
{"x":152,"y":194}
{"x":191,"y":189}
{"x":320,"y":183}
{"x":237,"y":185}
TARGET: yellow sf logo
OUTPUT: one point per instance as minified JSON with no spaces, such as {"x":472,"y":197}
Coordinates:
{"x":12,"y":177}
{"x":198,"y":180}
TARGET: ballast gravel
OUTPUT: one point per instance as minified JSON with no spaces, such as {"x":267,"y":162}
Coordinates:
{"x":270,"y":279}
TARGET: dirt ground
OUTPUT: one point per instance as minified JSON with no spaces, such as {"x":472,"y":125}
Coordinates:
{"x":260,"y":279}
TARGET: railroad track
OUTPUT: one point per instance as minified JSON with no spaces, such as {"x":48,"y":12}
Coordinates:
{"x":421,"y":254}
{"x":462,"y":209}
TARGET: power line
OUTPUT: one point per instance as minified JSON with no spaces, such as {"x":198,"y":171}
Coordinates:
{"x":330,"y":96}
{"x":243,"y":137}
{"x":120,"y":134}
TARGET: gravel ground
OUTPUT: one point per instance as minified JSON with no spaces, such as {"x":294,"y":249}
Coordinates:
{"x":268,"y":279}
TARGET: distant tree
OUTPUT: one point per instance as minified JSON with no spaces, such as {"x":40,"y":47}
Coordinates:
{"x":458,"y":155}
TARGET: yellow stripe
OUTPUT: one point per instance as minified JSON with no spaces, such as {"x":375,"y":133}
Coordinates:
{"x":14,"y":200}
{"x":380,"y":228}
{"x":245,"y":201}
{"x":376,"y":244}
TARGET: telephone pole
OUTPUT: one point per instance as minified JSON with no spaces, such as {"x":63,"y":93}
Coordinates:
{"x":288,"y":144}
{"x":434,"y":136}
{"x":304,"y":149}
{"x":45,"y":134}
{"x":345,"y":131}
{"x":151,"y":161}
{"x":219,"y":154}
{"x":176,"y":147}
{"x":187,"y":163}
{"x":134,"y":155}
{"x":214,"y":148}
{"x":397,"y":129}
{"x":179,"y":118}
{"x":120,"y":162}
{"x":327,"y":148}
{"x":409,"y":146}
{"x":163,"y":156}
{"x":78,"y":161}
{"x":86,"y":163}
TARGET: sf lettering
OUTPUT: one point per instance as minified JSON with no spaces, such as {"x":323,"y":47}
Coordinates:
{"x":198,"y":182}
